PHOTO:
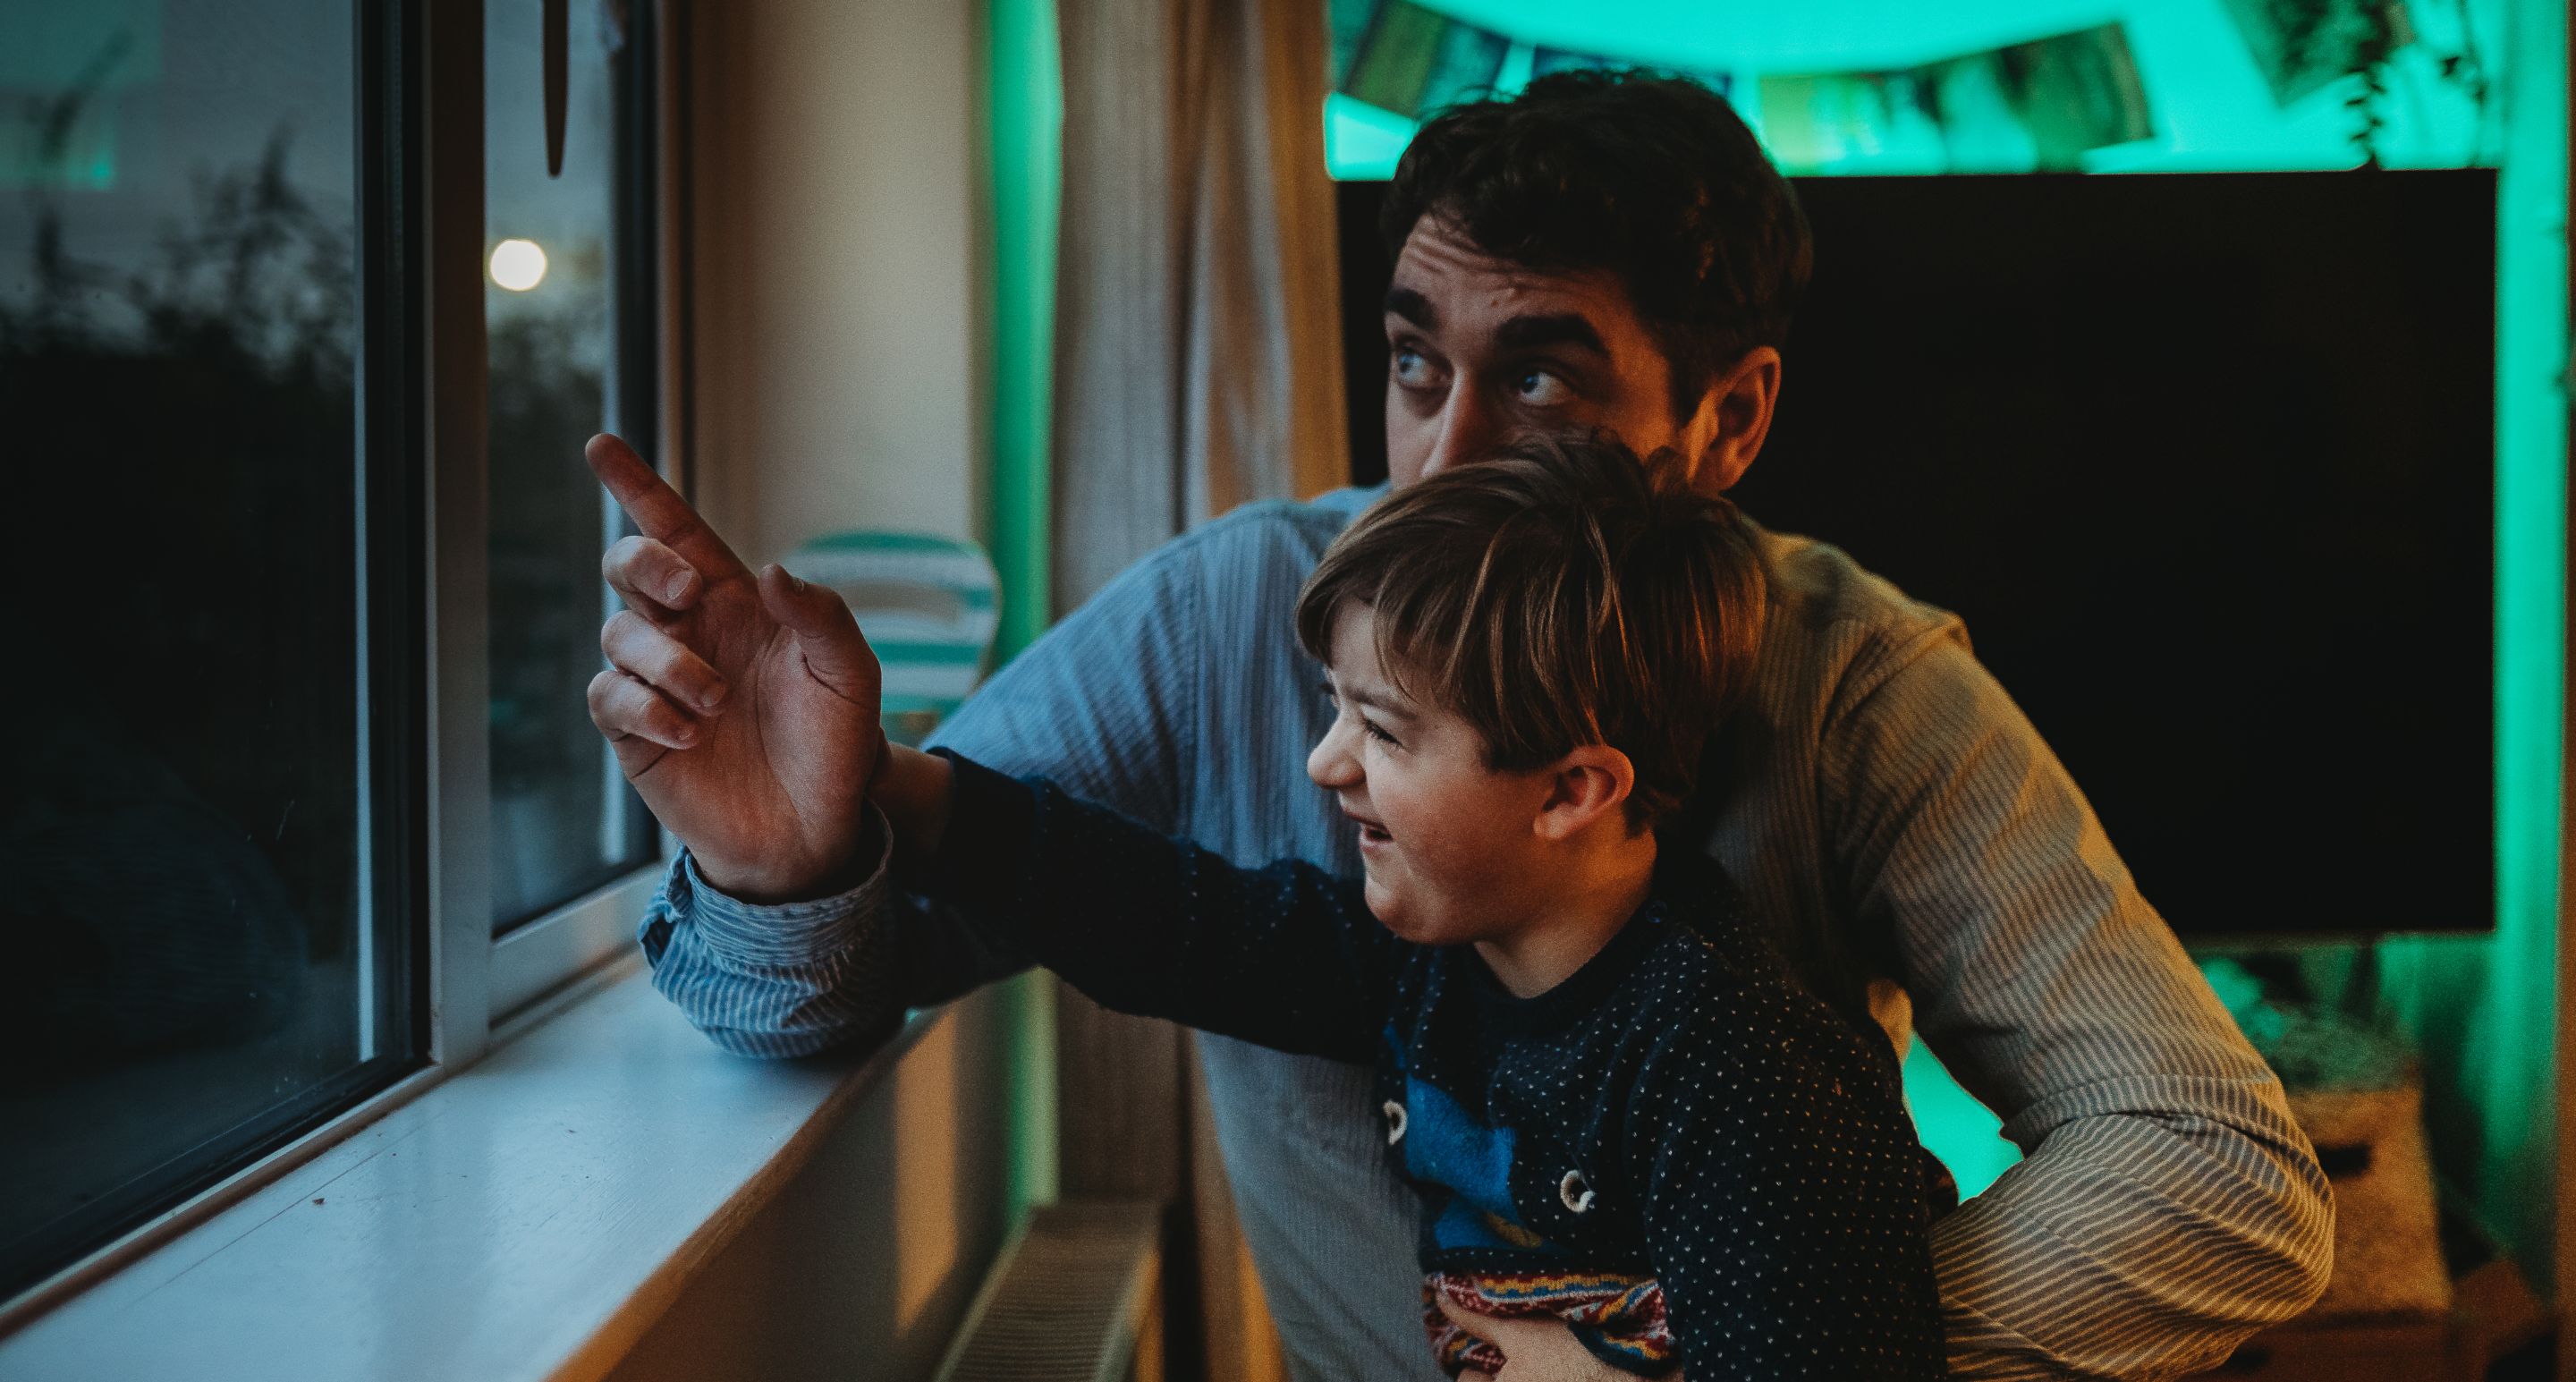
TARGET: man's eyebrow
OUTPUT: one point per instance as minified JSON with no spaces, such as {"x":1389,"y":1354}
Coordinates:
{"x":1413,"y":307}
{"x":1563,"y":328}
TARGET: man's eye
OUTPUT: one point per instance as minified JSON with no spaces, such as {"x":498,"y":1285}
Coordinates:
{"x":1370,"y":726}
{"x":1411,"y":368}
{"x":1540,"y":389}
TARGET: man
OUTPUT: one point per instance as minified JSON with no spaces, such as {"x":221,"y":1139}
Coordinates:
{"x":1603,"y":251}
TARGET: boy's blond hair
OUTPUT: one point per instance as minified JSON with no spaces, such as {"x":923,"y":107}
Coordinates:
{"x":1559,"y":594}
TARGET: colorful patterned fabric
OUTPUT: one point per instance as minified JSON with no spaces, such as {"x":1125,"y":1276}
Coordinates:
{"x":1620,"y":1318}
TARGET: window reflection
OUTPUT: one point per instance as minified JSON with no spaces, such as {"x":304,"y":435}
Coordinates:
{"x":560,"y":306}
{"x":182,"y":830}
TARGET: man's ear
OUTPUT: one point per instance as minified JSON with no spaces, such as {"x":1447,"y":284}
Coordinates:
{"x":1733,"y":420}
{"x":1587,"y":784}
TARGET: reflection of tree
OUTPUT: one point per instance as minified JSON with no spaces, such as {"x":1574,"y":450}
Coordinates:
{"x":545,"y":517}
{"x":183,"y":448}
{"x":259,"y":275}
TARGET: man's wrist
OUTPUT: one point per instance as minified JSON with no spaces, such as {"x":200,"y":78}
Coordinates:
{"x":912,"y":789}
{"x":758,"y":889}
{"x":751,"y":931}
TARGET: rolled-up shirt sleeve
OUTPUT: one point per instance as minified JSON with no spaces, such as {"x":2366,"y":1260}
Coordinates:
{"x":784,"y":980}
{"x":2168,"y":1203}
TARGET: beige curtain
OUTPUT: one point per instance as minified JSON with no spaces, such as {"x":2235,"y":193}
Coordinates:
{"x":1198,"y":340}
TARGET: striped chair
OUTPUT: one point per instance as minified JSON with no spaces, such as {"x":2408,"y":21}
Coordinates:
{"x":928,"y":605}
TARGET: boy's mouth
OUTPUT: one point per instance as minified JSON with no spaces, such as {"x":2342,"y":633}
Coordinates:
{"x":1371,"y":833}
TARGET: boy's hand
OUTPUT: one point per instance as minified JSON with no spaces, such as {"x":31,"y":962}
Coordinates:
{"x":1536,"y":1350}
{"x":743,"y":707}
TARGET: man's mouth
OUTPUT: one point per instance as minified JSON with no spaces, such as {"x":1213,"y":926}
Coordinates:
{"x":1371,"y":833}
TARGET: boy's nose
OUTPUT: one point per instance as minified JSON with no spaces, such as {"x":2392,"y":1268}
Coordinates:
{"x":1331,"y":764}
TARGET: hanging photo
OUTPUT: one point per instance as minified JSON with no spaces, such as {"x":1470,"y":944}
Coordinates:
{"x":1412,"y":61}
{"x":2037,"y":106}
{"x":2301,"y":45}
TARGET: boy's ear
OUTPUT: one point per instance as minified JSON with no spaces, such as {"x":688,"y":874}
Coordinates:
{"x":1588,"y":784}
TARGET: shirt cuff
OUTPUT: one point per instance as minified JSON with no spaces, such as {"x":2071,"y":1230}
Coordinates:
{"x":749,"y":934}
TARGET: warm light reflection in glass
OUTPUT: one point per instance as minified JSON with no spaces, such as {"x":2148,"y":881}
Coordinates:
{"x":518,"y":265}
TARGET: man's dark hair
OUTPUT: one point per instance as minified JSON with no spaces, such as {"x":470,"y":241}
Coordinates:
{"x":1652,"y":178}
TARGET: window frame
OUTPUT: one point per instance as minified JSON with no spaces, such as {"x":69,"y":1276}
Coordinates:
{"x":421,"y":397}
{"x":480,"y":979}
{"x":527,"y":959}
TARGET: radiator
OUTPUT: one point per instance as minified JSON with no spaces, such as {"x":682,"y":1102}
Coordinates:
{"x":1075,"y":1298}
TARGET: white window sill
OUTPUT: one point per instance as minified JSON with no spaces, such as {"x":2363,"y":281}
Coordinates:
{"x":527,"y":1218}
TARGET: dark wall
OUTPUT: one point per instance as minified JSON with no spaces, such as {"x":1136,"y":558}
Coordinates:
{"x":2206,"y":463}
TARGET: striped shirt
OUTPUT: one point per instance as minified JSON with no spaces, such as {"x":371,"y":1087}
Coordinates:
{"x":1878,"y":796}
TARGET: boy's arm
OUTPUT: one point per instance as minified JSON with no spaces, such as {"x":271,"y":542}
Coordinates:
{"x":1783,"y":1197}
{"x":1286,"y":956}
{"x":2168,"y":1204}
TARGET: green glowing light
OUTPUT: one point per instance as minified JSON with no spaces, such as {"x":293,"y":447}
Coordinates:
{"x":1026,"y":127}
{"x":2212,"y":107}
{"x":1953,"y":1125}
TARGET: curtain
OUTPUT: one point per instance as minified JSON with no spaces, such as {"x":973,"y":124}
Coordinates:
{"x":1198,"y":338}
{"x":1198,"y":366}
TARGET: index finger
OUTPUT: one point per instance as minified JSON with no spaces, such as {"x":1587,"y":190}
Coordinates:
{"x":658,"y":510}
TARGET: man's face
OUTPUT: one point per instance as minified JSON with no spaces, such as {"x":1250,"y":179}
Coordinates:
{"x":1445,"y":841}
{"x":1480,"y":349}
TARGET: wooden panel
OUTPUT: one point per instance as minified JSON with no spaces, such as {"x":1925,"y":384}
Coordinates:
{"x":1122,"y":1133}
{"x":1242,"y":1345}
{"x":1119,"y":1109}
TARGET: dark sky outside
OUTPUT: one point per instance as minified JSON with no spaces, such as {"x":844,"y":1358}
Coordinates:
{"x":188,"y":91}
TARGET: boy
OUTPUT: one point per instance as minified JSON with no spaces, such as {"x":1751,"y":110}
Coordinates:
{"x":1618,"y":1108}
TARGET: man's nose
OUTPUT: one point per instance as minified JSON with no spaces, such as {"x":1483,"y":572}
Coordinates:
{"x":1467,"y":427}
{"x":1330,"y":764}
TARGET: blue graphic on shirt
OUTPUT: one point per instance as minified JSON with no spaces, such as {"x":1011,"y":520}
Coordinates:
{"x":1446,"y":1146}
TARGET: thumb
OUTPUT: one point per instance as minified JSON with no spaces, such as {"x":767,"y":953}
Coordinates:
{"x":1497,"y":1330}
{"x":1466,"y":1320}
{"x":834,"y":650}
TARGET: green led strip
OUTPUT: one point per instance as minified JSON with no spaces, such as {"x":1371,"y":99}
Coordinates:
{"x":1025,"y":123}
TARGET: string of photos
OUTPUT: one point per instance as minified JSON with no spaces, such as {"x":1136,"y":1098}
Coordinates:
{"x":2040,"y":105}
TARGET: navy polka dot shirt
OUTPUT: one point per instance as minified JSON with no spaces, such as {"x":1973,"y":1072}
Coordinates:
{"x":1676,"y":1150}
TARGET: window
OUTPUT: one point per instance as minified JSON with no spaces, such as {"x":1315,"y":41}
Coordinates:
{"x":567,"y":317}
{"x":199,"y":816}
{"x":297,"y":664}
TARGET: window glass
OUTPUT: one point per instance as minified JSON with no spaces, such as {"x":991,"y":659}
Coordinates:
{"x":570,"y":356}
{"x":197,"y":971}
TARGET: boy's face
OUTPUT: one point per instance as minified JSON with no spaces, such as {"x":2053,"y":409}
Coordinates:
{"x":1448,"y":844}
{"x":1480,"y":349}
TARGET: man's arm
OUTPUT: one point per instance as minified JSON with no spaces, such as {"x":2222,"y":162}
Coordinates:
{"x":2169,"y":1205}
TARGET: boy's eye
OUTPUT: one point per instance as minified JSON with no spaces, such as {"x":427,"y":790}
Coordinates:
{"x":1368,"y":726}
